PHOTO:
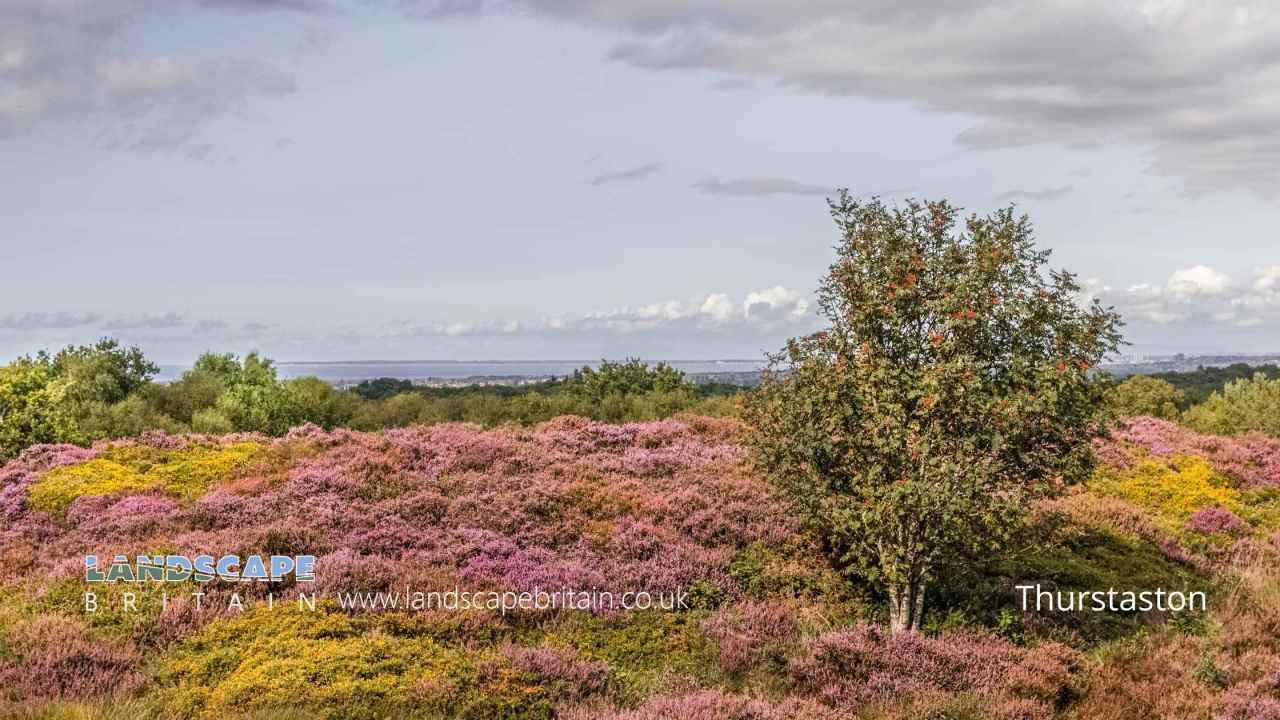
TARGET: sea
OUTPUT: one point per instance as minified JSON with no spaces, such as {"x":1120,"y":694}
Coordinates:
{"x":347,"y":373}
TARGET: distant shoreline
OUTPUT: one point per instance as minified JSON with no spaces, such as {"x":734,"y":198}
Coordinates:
{"x":452,"y":373}
{"x":735,"y":371}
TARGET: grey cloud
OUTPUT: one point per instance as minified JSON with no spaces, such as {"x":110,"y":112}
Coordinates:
{"x":146,"y":321}
{"x":70,"y":61}
{"x":1049,"y":193}
{"x":759,"y":186}
{"x":47,"y":321}
{"x":267,"y":5}
{"x":731,"y":84}
{"x":1195,"y":85}
{"x":210,"y":327}
{"x":631,"y":175}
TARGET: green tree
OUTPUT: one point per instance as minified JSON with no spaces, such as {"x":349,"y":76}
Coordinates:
{"x":382,"y":388}
{"x":1243,"y":406}
{"x":1197,"y":385}
{"x":197,"y":389}
{"x":68,"y":397}
{"x":1144,"y":395}
{"x":31,"y":407}
{"x":312,"y":400}
{"x":250,"y":400}
{"x":104,"y":372}
{"x":633,"y":377}
{"x":257,"y":401}
{"x":224,"y":366}
{"x":955,"y":381}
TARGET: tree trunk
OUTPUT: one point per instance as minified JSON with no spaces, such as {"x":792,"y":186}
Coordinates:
{"x":906,"y":606}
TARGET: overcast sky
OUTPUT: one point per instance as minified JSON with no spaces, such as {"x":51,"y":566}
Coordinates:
{"x":571,"y":179}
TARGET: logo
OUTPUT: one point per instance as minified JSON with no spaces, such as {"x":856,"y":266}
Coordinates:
{"x":201,"y":568}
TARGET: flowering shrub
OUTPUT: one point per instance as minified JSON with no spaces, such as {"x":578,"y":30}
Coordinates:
{"x":573,"y":675}
{"x":713,"y":705}
{"x":657,"y":506}
{"x":16,"y":479}
{"x":334,"y":666}
{"x":53,"y":657}
{"x":864,"y":664}
{"x":1215,"y":520}
{"x":1174,"y":489}
{"x":129,"y":469}
{"x":749,"y":632}
{"x":1250,"y":460}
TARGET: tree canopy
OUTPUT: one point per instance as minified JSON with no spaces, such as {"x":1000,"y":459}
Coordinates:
{"x":1144,"y":395}
{"x":954,"y":380}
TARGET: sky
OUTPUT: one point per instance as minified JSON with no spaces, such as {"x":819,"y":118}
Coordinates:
{"x":575,"y":179}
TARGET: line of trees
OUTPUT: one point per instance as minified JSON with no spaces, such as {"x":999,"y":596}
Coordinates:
{"x":106,"y":390}
{"x":1249,"y":403}
{"x":1198,"y":385}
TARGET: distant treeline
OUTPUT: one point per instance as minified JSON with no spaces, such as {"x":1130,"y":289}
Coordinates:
{"x":86,"y":393}
{"x":1232,"y":400}
{"x":1198,"y":385}
{"x":385,"y":387}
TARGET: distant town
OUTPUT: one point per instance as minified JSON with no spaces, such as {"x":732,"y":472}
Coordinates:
{"x":1152,"y":364}
{"x":1121,"y":367}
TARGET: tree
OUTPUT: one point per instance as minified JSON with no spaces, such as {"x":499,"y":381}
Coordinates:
{"x":1242,"y":406}
{"x":955,"y":381}
{"x":31,"y":407}
{"x":313,"y":400}
{"x":67,"y":397}
{"x":382,"y":388}
{"x":633,"y":377}
{"x":104,"y":372}
{"x":1197,"y":385}
{"x":1143,"y":395}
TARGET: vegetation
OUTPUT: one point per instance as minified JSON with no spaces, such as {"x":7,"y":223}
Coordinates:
{"x":105,"y":391}
{"x":1235,"y":400}
{"x":954,"y":383}
{"x":1145,"y":395}
{"x":1198,"y":385}
{"x":772,"y":632}
{"x":1243,"y":406}
{"x":67,"y":396}
{"x":946,"y":435}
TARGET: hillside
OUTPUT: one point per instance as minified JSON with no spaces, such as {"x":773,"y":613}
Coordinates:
{"x":666,"y":507}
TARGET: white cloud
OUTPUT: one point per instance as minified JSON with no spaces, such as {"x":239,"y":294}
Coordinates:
{"x":1268,"y":280}
{"x":1197,"y":281}
{"x":718,"y":307}
{"x":770,"y":310}
{"x":777,"y":301}
{"x":1198,"y":294}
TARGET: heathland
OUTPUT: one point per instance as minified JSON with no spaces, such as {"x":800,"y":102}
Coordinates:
{"x":847,"y":540}
{"x":773,"y":631}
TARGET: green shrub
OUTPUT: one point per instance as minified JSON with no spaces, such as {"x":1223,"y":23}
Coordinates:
{"x":1242,"y":406}
{"x":1143,"y":395}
